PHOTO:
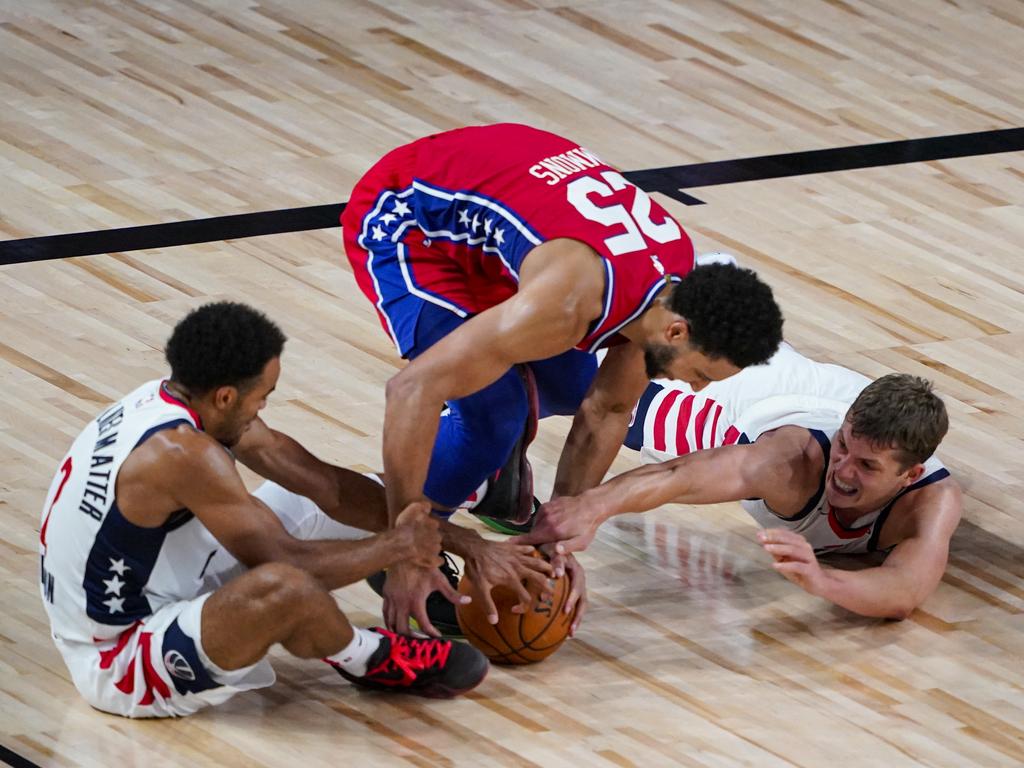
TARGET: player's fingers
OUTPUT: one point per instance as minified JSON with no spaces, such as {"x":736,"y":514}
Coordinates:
{"x":572,"y":599}
{"x":538,"y":583}
{"x":536,"y":565}
{"x":790,"y":567}
{"x":791,"y":551}
{"x":575,"y":544}
{"x":779,"y":536}
{"x":549,"y":550}
{"x":558,"y":565}
{"x":420,"y":614}
{"x":400,"y":620}
{"x":449,"y":592}
{"x":525,"y":600}
{"x":524,"y":549}
{"x":532,"y":538}
{"x":483,"y":590}
{"x":581,"y":608}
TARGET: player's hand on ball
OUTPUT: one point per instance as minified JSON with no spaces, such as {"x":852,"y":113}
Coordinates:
{"x":566,"y":524}
{"x":422,"y":534}
{"x":500,"y":563}
{"x":794,"y":557}
{"x":577,"y":599}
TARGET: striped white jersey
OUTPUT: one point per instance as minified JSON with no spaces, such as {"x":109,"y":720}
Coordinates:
{"x":671,"y":419}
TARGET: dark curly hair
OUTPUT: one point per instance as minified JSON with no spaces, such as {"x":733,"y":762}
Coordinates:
{"x":222,"y":344}
{"x":731,"y":312}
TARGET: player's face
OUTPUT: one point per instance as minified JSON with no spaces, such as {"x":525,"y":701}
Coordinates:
{"x":862,"y":475}
{"x":684,"y":362}
{"x":248,"y":403}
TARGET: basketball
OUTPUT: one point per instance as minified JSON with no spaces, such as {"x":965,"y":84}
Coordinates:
{"x":517,"y":638}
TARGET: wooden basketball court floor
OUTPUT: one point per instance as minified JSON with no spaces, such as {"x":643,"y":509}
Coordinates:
{"x":694,"y":653}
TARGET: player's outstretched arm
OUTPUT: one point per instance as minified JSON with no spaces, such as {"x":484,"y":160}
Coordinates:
{"x":909,"y":574}
{"x":722,"y":474}
{"x":347,"y":496}
{"x":182,"y":468}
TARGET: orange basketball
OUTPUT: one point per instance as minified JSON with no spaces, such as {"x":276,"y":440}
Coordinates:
{"x":517,"y":638}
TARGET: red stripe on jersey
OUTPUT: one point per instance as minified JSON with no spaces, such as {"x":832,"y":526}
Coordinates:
{"x":682,"y":445}
{"x":698,"y":424}
{"x":731,"y":436}
{"x":661,"y":417}
{"x":167,"y":397}
{"x":714,"y":426}
{"x":65,"y":469}
{"x":840,"y":531}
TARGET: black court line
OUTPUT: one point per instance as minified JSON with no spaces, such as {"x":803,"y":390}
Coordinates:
{"x":167,"y":235}
{"x":14,"y":759}
{"x":669,"y":181}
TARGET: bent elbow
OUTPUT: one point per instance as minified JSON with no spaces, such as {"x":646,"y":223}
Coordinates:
{"x":400,"y":386}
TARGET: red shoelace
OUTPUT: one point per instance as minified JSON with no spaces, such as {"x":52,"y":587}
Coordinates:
{"x":411,"y":655}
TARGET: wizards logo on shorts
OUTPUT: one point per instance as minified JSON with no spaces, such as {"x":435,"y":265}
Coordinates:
{"x":178,"y":666}
{"x":181,"y":659}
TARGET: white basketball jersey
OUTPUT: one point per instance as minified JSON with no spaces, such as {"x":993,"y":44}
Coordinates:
{"x":99,"y":572}
{"x":817,"y":521}
{"x":671,"y":419}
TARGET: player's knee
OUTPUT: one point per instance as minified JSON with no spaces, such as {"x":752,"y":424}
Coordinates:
{"x":283,"y":589}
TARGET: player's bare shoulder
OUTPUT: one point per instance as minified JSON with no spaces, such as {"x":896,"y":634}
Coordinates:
{"x":153,"y":475}
{"x":788,"y":462}
{"x":794,"y":447}
{"x":932,"y":511}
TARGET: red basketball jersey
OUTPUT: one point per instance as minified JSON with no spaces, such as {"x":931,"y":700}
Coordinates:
{"x":451,"y":217}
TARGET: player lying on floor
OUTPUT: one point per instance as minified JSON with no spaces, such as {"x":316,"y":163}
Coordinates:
{"x":820,"y":477}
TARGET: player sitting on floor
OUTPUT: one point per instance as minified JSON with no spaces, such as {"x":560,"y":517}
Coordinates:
{"x":166,"y":582}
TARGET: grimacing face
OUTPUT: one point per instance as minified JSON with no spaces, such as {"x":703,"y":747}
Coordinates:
{"x":863,"y":476}
{"x":247,"y":404}
{"x":682,"y":361}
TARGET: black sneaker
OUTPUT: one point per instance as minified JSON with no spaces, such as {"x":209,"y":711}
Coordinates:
{"x":436,"y":669}
{"x":509,"y":494}
{"x":506,"y":526}
{"x":440,"y":609}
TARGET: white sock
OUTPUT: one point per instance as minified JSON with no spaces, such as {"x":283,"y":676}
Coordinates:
{"x":354,"y":657}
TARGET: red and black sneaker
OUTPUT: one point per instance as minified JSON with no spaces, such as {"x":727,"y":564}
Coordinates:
{"x":509,"y":495}
{"x":436,"y":669}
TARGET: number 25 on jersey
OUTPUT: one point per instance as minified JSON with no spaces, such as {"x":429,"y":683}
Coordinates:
{"x":636,"y":221}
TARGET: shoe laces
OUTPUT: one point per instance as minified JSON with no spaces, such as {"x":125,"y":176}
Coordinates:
{"x":412,"y":655}
{"x":450,"y":568}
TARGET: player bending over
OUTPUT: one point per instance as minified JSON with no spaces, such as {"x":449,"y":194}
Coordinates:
{"x":499,"y":259}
